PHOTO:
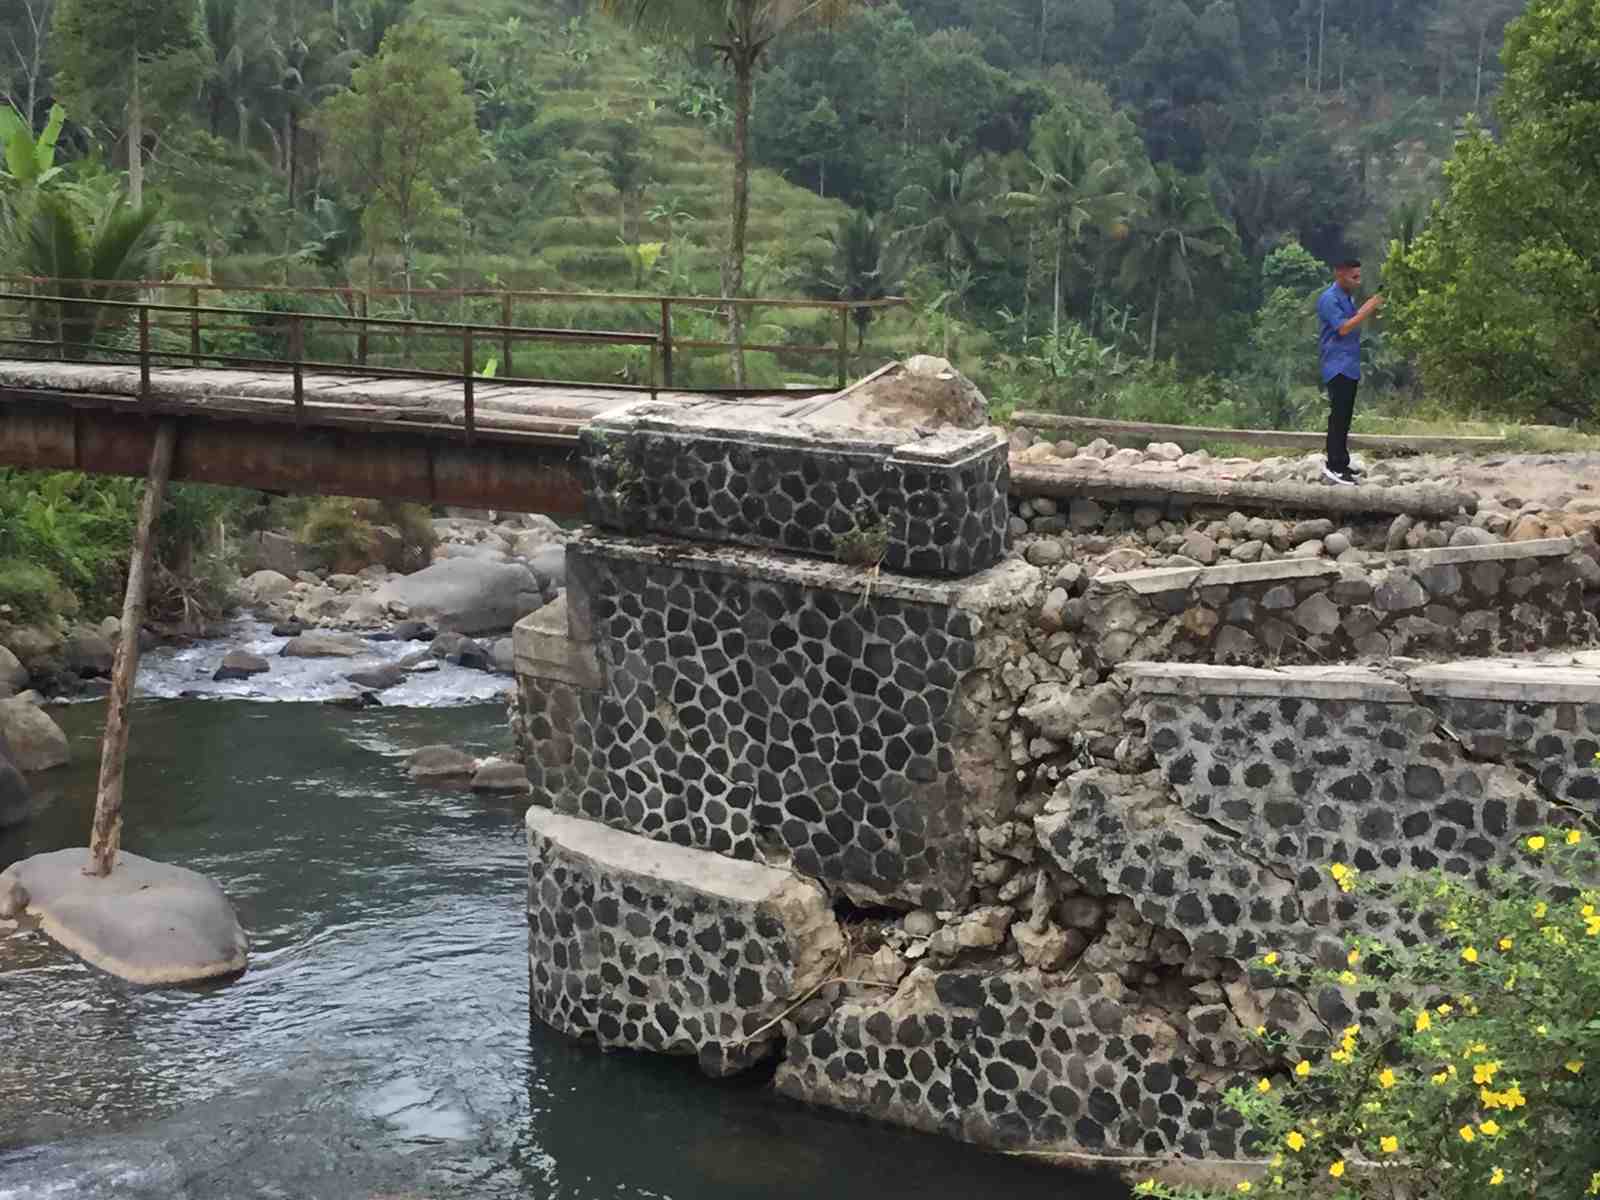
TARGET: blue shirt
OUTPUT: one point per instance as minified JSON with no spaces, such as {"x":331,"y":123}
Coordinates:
{"x":1340,"y":355}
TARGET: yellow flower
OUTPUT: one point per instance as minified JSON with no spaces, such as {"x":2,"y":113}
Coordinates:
{"x":1146,"y":1188}
{"x":1264,"y":1086}
{"x":1542,"y":1030}
{"x":1271,"y":959}
{"x":1277,"y":1161}
{"x":1470,"y":954}
{"x":1295,"y":1140}
{"x":1339,"y":871}
{"x":1506,"y":943}
{"x":1539,"y":910}
{"x":1337,"y":1170}
{"x":1261,"y":1031}
{"x":1467,"y":1134}
{"x":1244,"y":1185}
{"x":1594,"y":1185}
{"x":1341,"y":1056}
{"x":1575,"y":1066}
{"x":1513,"y":1098}
{"x":1386,"y":1079}
{"x":1424,"y":1021}
{"x":1441,"y":1079}
{"x":1390,"y":1144}
{"x":1490,"y":1127}
{"x":1536,"y":843}
{"x":1348,"y":978}
{"x":1484,"y":1072}
{"x":1497,"y":1178}
{"x":1353,"y":957}
{"x":1573,"y":837}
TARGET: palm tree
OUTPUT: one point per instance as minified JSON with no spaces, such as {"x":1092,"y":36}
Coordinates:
{"x":863,"y":264}
{"x":1180,"y":225}
{"x":1073,"y":189}
{"x":739,"y":32}
{"x":951,"y":215}
{"x":89,"y":244}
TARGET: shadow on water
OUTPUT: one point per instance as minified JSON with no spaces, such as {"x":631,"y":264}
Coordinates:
{"x":379,"y":1045}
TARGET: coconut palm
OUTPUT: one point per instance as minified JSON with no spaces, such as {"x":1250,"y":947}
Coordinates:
{"x":1179,"y":229}
{"x":1076,"y":186}
{"x":863,"y":264}
{"x":739,"y":32}
{"x":89,"y":243}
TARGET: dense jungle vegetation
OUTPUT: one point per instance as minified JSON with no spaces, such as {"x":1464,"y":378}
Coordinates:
{"x":1112,"y":206}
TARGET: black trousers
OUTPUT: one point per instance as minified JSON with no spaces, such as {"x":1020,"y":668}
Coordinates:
{"x":1341,"y":406}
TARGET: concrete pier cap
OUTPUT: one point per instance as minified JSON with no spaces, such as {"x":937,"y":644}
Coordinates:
{"x":147,"y":922}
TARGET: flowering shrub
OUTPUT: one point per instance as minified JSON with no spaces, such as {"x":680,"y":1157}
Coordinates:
{"x":1476,"y":1070}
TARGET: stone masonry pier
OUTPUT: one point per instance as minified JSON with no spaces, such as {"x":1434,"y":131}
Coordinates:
{"x":983,"y":841}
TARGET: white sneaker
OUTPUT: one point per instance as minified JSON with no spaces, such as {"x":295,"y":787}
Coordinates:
{"x":1342,"y":478}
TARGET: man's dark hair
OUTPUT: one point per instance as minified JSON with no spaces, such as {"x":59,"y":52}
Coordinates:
{"x":1347,"y":264}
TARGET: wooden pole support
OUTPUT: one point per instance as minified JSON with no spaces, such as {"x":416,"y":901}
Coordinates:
{"x":106,"y":836}
{"x":666,"y":343}
{"x":469,"y":365}
{"x":844,"y":347}
{"x":144,"y":355}
{"x":194,"y":325}
{"x":505,"y":338}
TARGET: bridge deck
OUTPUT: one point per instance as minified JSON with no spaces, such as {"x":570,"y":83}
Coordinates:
{"x":386,"y":436}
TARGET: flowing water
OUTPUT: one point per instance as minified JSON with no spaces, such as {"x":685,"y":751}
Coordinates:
{"x":379,"y":1045}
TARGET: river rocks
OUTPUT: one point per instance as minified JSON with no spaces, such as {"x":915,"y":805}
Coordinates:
{"x":549,"y":566}
{"x":442,"y":762}
{"x":323,"y":645}
{"x":13,"y":897}
{"x":16,"y":801}
{"x":277,"y":552}
{"x":503,"y":656}
{"x":263,"y":587}
{"x":465,"y":595}
{"x":288,"y":629}
{"x":414,"y":631}
{"x":13,"y":675}
{"x":501,"y":776}
{"x":88,"y":655}
{"x":461,"y":651}
{"x":240,"y":664}
{"x":378,"y":679}
{"x":35,"y":741}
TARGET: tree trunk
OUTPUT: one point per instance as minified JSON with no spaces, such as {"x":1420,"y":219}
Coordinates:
{"x":1155,"y":325}
{"x":1477,"y":87}
{"x":1044,"y":25}
{"x":1322,"y":27}
{"x":105,"y":839}
{"x":289,"y":162}
{"x":136,"y":139}
{"x":744,"y":68}
{"x":1055,"y":327}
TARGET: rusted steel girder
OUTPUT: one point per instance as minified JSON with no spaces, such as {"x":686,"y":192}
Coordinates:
{"x":510,"y":472}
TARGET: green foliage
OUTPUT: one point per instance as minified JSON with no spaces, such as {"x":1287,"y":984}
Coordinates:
{"x":30,"y":590}
{"x":347,"y":535}
{"x":1291,"y":267}
{"x":111,"y":53}
{"x":862,"y":264}
{"x":65,"y":533}
{"x":402,"y":133}
{"x":1177,"y":238}
{"x":1478,"y":1072}
{"x":1497,"y":296}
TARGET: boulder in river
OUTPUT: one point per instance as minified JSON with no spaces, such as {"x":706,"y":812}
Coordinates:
{"x":323,"y":645}
{"x":414,"y":631}
{"x":288,"y":629}
{"x":13,"y":675}
{"x":263,"y":587}
{"x":503,"y":656}
{"x":378,"y":679}
{"x":240,"y":664}
{"x":16,"y":801}
{"x":13,"y":898}
{"x":35,"y":741}
{"x":461,"y":651}
{"x":501,"y":776}
{"x":87,"y":654}
{"x":442,"y":762}
{"x":549,"y":565}
{"x":465,"y":595}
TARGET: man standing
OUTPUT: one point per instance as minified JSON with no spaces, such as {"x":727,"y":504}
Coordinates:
{"x":1341,"y":363}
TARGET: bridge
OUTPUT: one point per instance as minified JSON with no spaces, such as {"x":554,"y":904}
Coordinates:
{"x":327,"y":412}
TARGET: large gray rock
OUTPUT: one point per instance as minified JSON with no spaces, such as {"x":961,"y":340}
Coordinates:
{"x":267,"y":551}
{"x":323,"y":645}
{"x":146,"y":922}
{"x":35,"y":741}
{"x":13,"y":675}
{"x":263,"y":587}
{"x":465,"y":595}
{"x":16,"y":802}
{"x":378,"y":679}
{"x":501,"y":776}
{"x":549,"y":566}
{"x":88,"y":655}
{"x":442,"y":762}
{"x":240,"y":664}
{"x":1058,"y":711}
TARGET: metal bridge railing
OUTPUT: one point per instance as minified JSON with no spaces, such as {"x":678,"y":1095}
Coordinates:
{"x":36,"y":294}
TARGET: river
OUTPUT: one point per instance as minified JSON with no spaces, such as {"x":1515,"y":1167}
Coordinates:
{"x":379,"y":1045}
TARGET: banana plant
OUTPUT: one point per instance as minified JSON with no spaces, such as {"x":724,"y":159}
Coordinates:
{"x":30,"y":162}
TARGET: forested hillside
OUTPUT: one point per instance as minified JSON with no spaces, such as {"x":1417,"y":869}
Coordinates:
{"x":1091,"y":203}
